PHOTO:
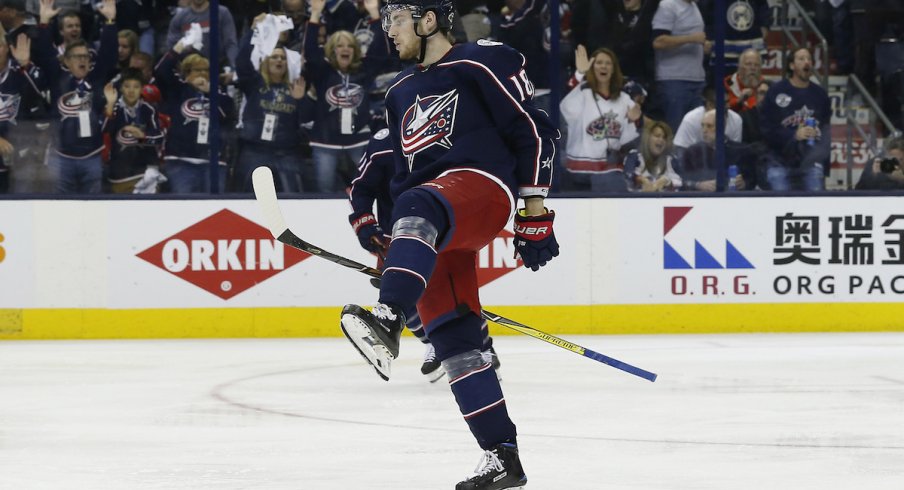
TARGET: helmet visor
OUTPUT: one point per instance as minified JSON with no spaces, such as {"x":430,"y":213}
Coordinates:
{"x":398,"y":15}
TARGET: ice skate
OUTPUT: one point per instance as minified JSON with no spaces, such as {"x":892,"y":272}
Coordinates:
{"x":432,"y":367}
{"x":375,"y":334}
{"x":500,"y":468}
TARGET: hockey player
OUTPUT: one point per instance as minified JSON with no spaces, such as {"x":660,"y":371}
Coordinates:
{"x":370,"y":186}
{"x":467,"y":141}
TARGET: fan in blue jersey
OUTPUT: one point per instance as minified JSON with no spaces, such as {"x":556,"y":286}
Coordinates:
{"x":270,"y":117}
{"x":371,"y":186}
{"x":467,"y":142}
{"x":77,"y":99}
{"x":342,"y":76}
{"x":187,"y":97}
{"x":136,"y":138}
{"x":18,"y":76}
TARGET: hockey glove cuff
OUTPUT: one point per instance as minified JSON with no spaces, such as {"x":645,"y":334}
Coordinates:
{"x":534,"y":239}
{"x":369,"y":232}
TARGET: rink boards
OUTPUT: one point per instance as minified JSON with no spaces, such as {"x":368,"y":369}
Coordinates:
{"x":209,"y":268}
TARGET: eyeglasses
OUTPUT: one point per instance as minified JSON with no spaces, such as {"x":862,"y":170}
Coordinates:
{"x":277,"y":57}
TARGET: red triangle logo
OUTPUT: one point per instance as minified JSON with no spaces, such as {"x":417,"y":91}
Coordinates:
{"x":224,"y":254}
{"x":671,"y":215}
{"x":496,"y":259}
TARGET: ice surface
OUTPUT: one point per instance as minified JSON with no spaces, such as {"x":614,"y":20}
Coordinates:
{"x":729,"y":412}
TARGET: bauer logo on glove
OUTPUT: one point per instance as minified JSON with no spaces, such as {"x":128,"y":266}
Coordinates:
{"x":369,"y":232}
{"x":535,"y":241}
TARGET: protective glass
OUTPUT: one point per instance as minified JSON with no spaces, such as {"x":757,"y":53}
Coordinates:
{"x":398,"y":15}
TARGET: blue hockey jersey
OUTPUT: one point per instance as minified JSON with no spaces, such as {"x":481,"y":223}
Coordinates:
{"x":371,"y":185}
{"x":73,"y":98}
{"x":786,"y":108}
{"x":472,"y":108}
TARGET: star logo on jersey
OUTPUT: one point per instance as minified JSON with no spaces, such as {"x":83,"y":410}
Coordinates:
{"x":799,"y":118}
{"x":429,"y":121}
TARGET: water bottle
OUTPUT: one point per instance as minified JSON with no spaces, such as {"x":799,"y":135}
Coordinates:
{"x":732,"y":174}
{"x":810,"y":122}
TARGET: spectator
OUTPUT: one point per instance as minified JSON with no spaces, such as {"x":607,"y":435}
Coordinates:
{"x":135,"y":136}
{"x":144,"y":63}
{"x":601,"y":120}
{"x":741,"y":85}
{"x":136,"y":16}
{"x":523,"y":30}
{"x":875,"y":178}
{"x":689,"y":132}
{"x":746,"y":28}
{"x":872,"y":19}
{"x":187,"y":102}
{"x":753,"y":139}
{"x":127,"y":46}
{"x":69,"y":24}
{"x":270,"y":119}
{"x":833,"y":18}
{"x":588,"y":19}
{"x":12,"y":17}
{"x":679,"y":42}
{"x":629,"y":35}
{"x":796,"y":123}
{"x":475,"y":18}
{"x":78,"y":101}
{"x":341,"y":76}
{"x":17,"y":74}
{"x":699,"y":166}
{"x":31,"y":135}
{"x":650,"y":168}
{"x":198,"y":11}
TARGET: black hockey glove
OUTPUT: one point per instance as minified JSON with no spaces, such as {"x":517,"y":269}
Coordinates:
{"x":369,"y":233}
{"x":534,"y":239}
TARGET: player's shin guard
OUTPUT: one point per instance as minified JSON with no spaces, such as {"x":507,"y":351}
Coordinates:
{"x":419,"y":223}
{"x":479,"y":397}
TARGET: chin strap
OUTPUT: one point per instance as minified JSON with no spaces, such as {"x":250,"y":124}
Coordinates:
{"x":424,"y":37}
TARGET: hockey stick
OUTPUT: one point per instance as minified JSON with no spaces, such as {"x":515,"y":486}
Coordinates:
{"x":265,"y":192}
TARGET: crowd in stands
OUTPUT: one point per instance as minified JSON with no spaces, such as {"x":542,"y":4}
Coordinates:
{"x":115,"y":96}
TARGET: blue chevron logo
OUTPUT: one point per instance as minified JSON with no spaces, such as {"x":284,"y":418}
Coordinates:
{"x":703,"y":259}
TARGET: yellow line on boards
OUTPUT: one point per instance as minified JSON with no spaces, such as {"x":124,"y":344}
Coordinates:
{"x":34,"y":324}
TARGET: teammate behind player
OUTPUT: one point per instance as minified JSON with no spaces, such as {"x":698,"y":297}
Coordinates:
{"x":371,"y":186}
{"x":466,"y":141}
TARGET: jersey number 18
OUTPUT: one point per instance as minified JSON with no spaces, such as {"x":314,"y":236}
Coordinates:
{"x":525,"y":88}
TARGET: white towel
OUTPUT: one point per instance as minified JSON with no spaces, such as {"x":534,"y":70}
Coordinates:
{"x":193,"y":37}
{"x":266,"y":35}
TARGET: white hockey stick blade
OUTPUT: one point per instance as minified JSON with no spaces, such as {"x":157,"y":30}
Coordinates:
{"x":265,"y":192}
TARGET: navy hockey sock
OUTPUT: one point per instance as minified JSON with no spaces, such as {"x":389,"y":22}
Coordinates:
{"x":414,"y":324}
{"x":420,"y":223}
{"x":473,"y":380}
{"x":480,"y":399}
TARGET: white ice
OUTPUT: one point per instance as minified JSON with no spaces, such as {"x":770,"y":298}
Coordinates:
{"x":729,"y":412}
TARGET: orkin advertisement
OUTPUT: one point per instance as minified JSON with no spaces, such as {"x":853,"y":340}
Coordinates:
{"x":219,"y":254}
{"x":761,"y":250}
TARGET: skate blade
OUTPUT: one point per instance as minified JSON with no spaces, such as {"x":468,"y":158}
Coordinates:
{"x":436,"y":375}
{"x":367,"y":344}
